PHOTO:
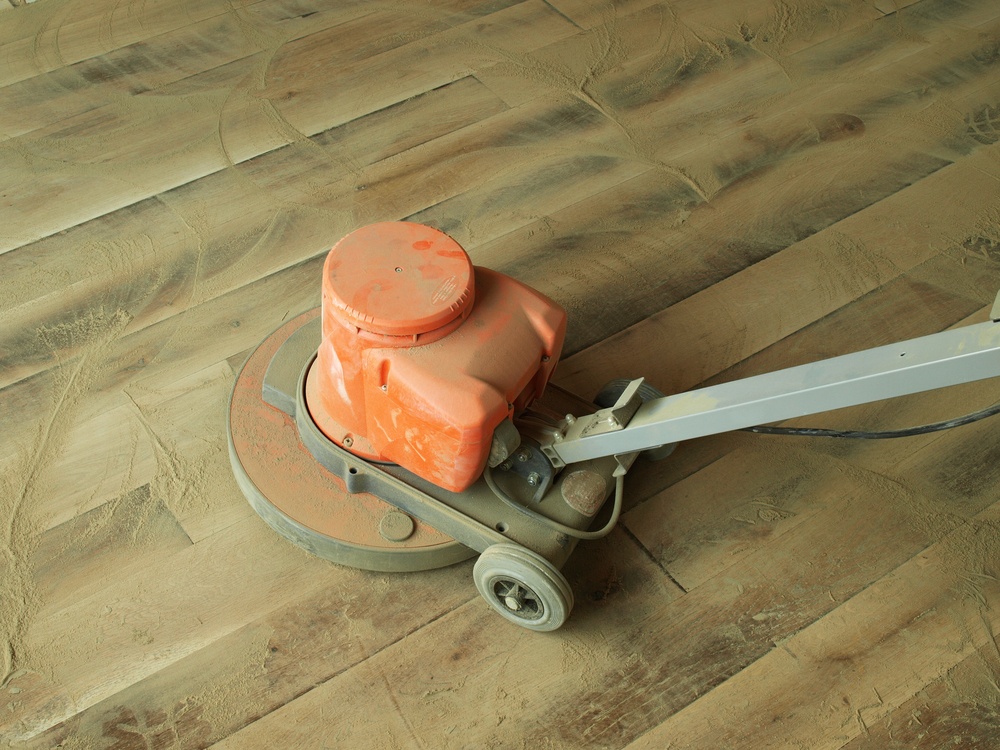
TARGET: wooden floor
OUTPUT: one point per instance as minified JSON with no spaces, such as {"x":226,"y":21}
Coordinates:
{"x":712,"y":189}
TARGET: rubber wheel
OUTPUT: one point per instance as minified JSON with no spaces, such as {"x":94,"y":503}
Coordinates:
{"x":523,"y":587}
{"x":608,"y":397}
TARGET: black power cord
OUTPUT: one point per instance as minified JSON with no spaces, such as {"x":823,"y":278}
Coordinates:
{"x":863,"y":435}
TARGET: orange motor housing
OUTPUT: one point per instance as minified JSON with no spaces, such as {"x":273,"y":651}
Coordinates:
{"x":423,"y":354}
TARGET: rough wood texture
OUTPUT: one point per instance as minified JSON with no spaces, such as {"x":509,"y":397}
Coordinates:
{"x":711,"y":188}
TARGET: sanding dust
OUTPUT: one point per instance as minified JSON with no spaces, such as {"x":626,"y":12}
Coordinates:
{"x":180,"y":484}
{"x":20,"y":528}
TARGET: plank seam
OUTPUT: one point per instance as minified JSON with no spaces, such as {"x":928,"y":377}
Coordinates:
{"x":559,"y":12}
{"x":651,"y":557}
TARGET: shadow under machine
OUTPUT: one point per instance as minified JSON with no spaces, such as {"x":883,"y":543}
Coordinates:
{"x":408,"y":423}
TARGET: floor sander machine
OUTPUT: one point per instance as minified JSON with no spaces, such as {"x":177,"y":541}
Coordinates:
{"x":406,"y":424}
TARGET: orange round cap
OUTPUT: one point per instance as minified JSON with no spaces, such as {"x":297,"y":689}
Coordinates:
{"x":399,"y":278}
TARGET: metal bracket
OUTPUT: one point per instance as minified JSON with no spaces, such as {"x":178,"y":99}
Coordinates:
{"x":612,"y":419}
{"x":615,"y":417}
{"x":625,"y":461}
{"x":529,"y":463}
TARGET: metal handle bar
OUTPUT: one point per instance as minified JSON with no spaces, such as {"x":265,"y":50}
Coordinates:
{"x":942,"y":359}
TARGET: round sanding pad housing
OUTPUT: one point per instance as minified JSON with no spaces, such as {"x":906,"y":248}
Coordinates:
{"x":399,"y":279}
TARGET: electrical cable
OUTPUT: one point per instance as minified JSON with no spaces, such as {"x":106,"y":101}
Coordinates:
{"x":881,"y":435}
{"x":562,"y":528}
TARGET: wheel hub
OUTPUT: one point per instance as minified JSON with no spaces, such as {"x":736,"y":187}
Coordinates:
{"x":518,"y":598}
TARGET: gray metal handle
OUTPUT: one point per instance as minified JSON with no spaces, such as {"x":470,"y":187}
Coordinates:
{"x":942,"y":359}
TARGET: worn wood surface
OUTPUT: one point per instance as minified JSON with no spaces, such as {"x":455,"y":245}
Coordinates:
{"x":712,"y":189}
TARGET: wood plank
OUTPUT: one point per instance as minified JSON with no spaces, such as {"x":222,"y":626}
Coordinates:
{"x":841,"y":674}
{"x":684,"y":503}
{"x":938,"y":294}
{"x":718,"y":516}
{"x":172,"y":438}
{"x":132,"y":533}
{"x":40,"y":38}
{"x":931,"y":297}
{"x":916,"y":307}
{"x":293,"y":290}
{"x":88,"y":473}
{"x":784,"y":174}
{"x":110,"y":80}
{"x":957,"y":707}
{"x":342,"y":621}
{"x":713,"y":61}
{"x":763,"y":20}
{"x":754,"y":71}
{"x":108,"y":621}
{"x":802,"y":664}
{"x":251,"y":37}
{"x":615,"y":320}
{"x":869,"y":243}
{"x":511,"y":676}
{"x":222,"y":126}
{"x":272,"y":659}
{"x":732,"y":508}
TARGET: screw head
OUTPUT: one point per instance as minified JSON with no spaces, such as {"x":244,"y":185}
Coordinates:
{"x":533,"y":478}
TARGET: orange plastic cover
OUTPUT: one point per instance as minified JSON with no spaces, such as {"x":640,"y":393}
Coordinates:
{"x":419,"y":366}
{"x":398,"y":278}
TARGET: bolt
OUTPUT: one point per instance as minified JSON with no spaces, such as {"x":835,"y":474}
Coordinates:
{"x":533,"y":478}
{"x":570,"y":419}
{"x":348,"y":441}
{"x":523,"y":455}
{"x":505,"y":465}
